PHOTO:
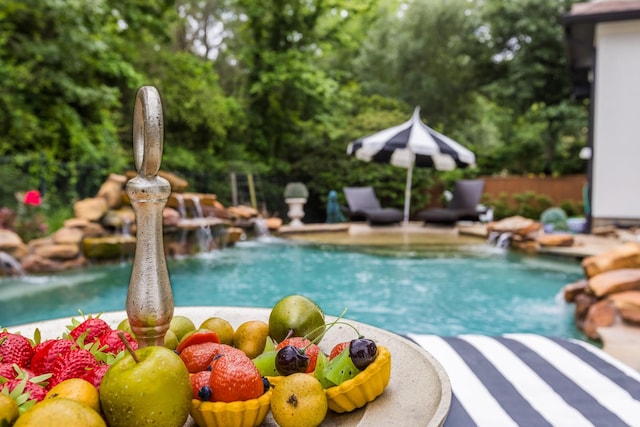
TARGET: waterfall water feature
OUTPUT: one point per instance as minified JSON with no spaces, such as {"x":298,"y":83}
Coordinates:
{"x":183,"y":215}
{"x":10,"y":266}
{"x":203,"y":233}
{"x":260,"y":227}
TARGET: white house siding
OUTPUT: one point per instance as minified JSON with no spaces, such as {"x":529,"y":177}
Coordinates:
{"x":616,"y":127}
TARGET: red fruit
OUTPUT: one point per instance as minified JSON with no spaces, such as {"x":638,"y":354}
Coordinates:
{"x":337,"y":349}
{"x":15,"y":348}
{"x":36,"y":391}
{"x":113,"y":342}
{"x":198,"y":357}
{"x":311,"y":350}
{"x":234,"y":377}
{"x":198,"y":337}
{"x":7,"y":371}
{"x":97,"y":374}
{"x":91,"y":328}
{"x":48,"y":352}
{"x":198,"y":381}
{"x":78,"y":363}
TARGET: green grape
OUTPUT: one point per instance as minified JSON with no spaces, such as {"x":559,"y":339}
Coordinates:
{"x":266,"y":364}
{"x":340,"y":368}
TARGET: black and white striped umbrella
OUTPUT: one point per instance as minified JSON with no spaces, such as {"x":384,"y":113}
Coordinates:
{"x":412,"y":144}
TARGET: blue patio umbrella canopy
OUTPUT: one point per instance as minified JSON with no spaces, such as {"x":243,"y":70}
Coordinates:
{"x":412,"y":144}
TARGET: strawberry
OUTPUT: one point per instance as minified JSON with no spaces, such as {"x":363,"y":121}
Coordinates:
{"x":78,"y":363}
{"x":97,"y":374}
{"x":337,"y":349}
{"x":200,"y":385}
{"x":7,"y":371}
{"x":92,"y":328}
{"x":46,"y":353}
{"x":15,"y":348}
{"x":114,"y":344}
{"x":198,"y":357}
{"x":35,"y":391}
{"x":311,"y":350}
{"x":234,"y":377}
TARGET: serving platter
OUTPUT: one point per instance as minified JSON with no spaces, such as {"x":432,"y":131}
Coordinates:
{"x":418,"y":394}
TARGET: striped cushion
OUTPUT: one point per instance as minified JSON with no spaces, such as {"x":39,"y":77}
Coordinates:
{"x":531,"y":380}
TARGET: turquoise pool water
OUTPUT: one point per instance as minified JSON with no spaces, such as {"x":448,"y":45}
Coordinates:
{"x":469,"y":289}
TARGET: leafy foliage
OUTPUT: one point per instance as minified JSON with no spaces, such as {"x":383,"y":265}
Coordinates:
{"x":278,"y":89}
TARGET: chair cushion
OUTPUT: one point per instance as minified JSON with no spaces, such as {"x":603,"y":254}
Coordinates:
{"x":384,"y":216}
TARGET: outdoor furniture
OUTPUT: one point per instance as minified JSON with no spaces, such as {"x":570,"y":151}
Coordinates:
{"x":463,"y":205}
{"x":533,"y":380}
{"x":364,"y":205}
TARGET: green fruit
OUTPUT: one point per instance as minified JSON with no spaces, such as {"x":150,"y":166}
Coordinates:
{"x":266,"y":364}
{"x":221,"y":327}
{"x":125,"y":326}
{"x":154,"y":390}
{"x":181,"y":325}
{"x":269,"y":344}
{"x":250,"y":337}
{"x":318,"y":372}
{"x":299,"y":314}
{"x":170,"y":340}
{"x":339,"y":369}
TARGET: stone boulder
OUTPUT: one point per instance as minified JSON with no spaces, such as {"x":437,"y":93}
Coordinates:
{"x":628,"y":305}
{"x":574,"y":289}
{"x":67,"y":235}
{"x":91,"y":209}
{"x":170,"y":217}
{"x":515,"y":224}
{"x":11,"y":243}
{"x":610,"y":282}
{"x":34,"y":263}
{"x":602,"y":313}
{"x":58,"y":252}
{"x":555,"y":240}
{"x":627,"y":255}
{"x":109,"y":247}
{"x":111,"y":190}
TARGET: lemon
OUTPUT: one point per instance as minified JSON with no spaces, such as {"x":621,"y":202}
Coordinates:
{"x":221,"y":327}
{"x":76,"y":389}
{"x":299,"y":400}
{"x":251,"y":337}
{"x":181,"y":325}
{"x":60,"y":412}
{"x":9,"y":411}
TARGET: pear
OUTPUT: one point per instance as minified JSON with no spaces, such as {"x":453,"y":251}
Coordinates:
{"x":250,"y":337}
{"x":150,"y":386}
{"x":298,"y":314}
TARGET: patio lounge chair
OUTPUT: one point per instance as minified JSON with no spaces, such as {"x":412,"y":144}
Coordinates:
{"x":463,"y":205}
{"x":364,"y":205}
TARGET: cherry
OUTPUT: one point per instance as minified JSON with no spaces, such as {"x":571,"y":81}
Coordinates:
{"x":291,"y":360}
{"x":363,"y":352}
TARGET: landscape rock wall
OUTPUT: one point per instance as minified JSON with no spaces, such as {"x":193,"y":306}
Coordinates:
{"x":610,"y":292}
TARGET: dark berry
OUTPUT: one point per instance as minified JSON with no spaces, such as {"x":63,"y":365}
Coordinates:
{"x":363,"y":352}
{"x":291,"y":360}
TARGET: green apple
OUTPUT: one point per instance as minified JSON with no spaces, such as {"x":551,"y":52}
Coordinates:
{"x":297,"y":313}
{"x":150,"y":386}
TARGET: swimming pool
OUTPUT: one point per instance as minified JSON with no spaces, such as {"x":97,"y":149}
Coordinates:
{"x":441,"y":290}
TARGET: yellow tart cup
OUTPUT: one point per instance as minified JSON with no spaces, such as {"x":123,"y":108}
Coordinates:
{"x":275,"y":380}
{"x":364,"y":387}
{"x":248,"y":413}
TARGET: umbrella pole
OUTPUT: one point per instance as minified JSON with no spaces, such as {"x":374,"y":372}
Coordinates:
{"x":407,"y":194}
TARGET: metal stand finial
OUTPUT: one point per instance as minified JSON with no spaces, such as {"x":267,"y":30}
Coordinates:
{"x":150,"y":298}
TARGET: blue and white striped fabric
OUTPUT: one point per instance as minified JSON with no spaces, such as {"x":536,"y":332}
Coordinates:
{"x":532,"y":380}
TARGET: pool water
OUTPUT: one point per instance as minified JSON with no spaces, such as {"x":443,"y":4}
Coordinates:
{"x":439,"y":290}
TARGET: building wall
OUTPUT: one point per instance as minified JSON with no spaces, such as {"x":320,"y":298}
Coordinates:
{"x":616,"y":126}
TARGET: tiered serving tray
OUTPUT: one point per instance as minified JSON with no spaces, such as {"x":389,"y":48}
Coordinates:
{"x":418,"y":394}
